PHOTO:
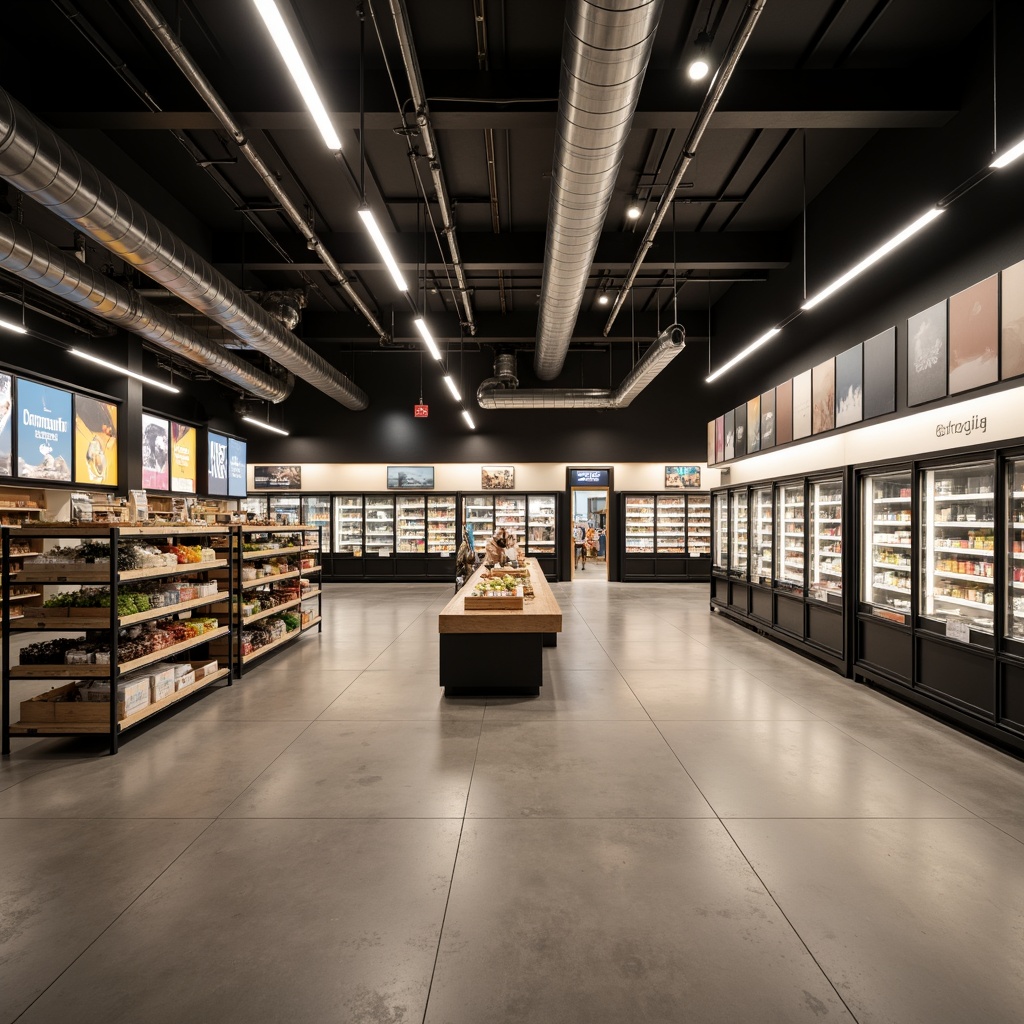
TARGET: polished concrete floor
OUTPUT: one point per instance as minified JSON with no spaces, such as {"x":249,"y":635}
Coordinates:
{"x":690,"y":824}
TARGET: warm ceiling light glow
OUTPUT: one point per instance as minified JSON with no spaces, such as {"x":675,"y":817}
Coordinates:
{"x":265,"y":426}
{"x":421,"y":326}
{"x":767,"y":336}
{"x":297,"y":69}
{"x":602,"y":299}
{"x":382,"y":247}
{"x":882,"y":250}
{"x":468,"y":419}
{"x":126,"y":372}
{"x":452,"y":388}
{"x":1009,"y":156}
{"x":698,"y":69}
{"x":11,"y":326}
{"x":633,"y":211}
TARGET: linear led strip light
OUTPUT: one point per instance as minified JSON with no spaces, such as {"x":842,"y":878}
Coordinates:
{"x":1009,"y":156}
{"x":297,"y":69}
{"x":10,"y":325}
{"x":366,"y":214}
{"x":122,"y":369}
{"x":767,"y":336}
{"x":266,"y":426}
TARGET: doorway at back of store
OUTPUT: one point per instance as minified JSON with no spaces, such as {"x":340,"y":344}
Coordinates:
{"x":590,"y":533}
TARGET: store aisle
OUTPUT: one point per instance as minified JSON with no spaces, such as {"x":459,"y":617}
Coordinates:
{"x":689,"y":824}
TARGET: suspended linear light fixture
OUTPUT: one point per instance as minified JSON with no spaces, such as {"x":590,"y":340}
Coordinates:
{"x":421,"y":326}
{"x":767,"y":336}
{"x":10,"y":325}
{"x":468,"y":419}
{"x":452,"y":388}
{"x":366,"y":215}
{"x":266,"y":426}
{"x":121,"y":369}
{"x":297,"y":69}
{"x":1009,"y":156}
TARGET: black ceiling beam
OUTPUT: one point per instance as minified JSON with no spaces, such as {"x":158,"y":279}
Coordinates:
{"x":755,"y":99}
{"x":522,"y":251}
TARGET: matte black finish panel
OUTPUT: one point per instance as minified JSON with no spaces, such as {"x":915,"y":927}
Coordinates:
{"x":380,"y":568}
{"x":957,"y":673}
{"x":825,"y":626}
{"x":789,"y":614}
{"x":761,"y":603}
{"x":885,"y":647}
{"x":719,"y":590}
{"x":632,"y":566}
{"x":1011,"y":696}
{"x":739,"y":597}
{"x":347,"y":568}
{"x":470,"y":669}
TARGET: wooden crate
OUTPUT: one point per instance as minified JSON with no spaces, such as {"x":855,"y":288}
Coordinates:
{"x":476,"y":604}
{"x":51,"y":708}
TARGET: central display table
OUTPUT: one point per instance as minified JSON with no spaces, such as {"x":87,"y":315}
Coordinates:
{"x":497,"y":652}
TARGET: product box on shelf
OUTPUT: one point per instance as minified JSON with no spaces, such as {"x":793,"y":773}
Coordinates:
{"x":132,"y":696}
{"x":185,"y":680}
{"x":207,"y":669}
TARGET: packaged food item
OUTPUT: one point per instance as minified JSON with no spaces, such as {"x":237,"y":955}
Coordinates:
{"x":132,"y":695}
{"x":184,"y":681}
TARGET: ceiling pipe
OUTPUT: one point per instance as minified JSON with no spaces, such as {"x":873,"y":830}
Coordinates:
{"x":37,"y":261}
{"x":158,"y":25}
{"x":605,"y":50}
{"x":37,"y":161}
{"x":419,"y":99}
{"x":740,"y":37}
{"x":663,"y":350}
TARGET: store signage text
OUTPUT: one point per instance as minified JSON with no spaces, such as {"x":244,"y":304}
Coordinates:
{"x":582,"y":477}
{"x":962,"y":428}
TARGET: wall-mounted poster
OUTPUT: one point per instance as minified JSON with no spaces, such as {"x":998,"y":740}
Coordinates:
{"x":687,"y":477}
{"x":44,"y":432}
{"x":730,"y":435}
{"x":754,"y":424}
{"x":974,"y":336}
{"x":880,"y":374}
{"x":784,"y":412}
{"x":277,"y":478}
{"x":768,"y":419}
{"x":740,"y":428}
{"x":155,"y":448}
{"x":217,"y":465}
{"x":926,"y":355}
{"x":412,"y":477}
{"x":720,"y":439}
{"x":6,"y":410}
{"x":712,"y":457}
{"x":850,"y":386}
{"x":802,"y":405}
{"x":236,"y":468}
{"x":184,"y":464}
{"x":823,"y":394}
{"x":95,"y":442}
{"x":1012,"y":333}
{"x":497,"y":478}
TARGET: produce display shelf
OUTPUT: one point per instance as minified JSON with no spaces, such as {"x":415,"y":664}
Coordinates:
{"x":262,"y":581}
{"x":319,"y":568}
{"x":272,"y":646}
{"x":312,"y":622}
{"x":270,"y":611}
{"x":72,"y":532}
{"x":25,"y":597}
{"x":72,"y":619}
{"x":271,"y":552}
{"x":64,"y":572}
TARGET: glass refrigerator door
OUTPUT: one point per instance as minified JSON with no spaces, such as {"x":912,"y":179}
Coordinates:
{"x":348,"y":524}
{"x":316,"y":511}
{"x":540,"y":537}
{"x":789,"y":542}
{"x":510,"y":512}
{"x":698,"y":524}
{"x":720,"y":511}
{"x":380,"y":525}
{"x":639,"y":524}
{"x":1015,"y":549}
{"x":671,"y":509}
{"x":410,"y":524}
{"x":826,"y":582}
{"x":441,"y":539}
{"x":254,"y":506}
{"x":958,"y":551}
{"x":738,"y":550}
{"x":285,"y":509}
{"x":478,"y":514}
{"x":761,"y":536}
{"x":887,"y":517}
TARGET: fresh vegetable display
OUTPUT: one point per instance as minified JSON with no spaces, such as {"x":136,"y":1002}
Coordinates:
{"x":497,"y":585}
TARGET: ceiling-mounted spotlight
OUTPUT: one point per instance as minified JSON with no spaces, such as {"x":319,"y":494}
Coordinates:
{"x":633,"y":210}
{"x":602,"y":299}
{"x":698,"y":68}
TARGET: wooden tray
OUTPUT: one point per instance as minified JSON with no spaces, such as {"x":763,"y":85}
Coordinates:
{"x":476,"y":604}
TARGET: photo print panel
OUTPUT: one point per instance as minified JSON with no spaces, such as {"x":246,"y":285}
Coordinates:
{"x":740,"y":419}
{"x":1012,"y":323}
{"x":712,"y":457}
{"x":720,"y":439}
{"x":730,"y":435}
{"x":926,"y":355}
{"x":823,"y":392}
{"x":768,"y":419}
{"x":974,"y":336}
{"x":850,"y":386}
{"x":802,"y":405}
{"x":754,"y":424}
{"x":880,"y":374}
{"x":784,"y":412}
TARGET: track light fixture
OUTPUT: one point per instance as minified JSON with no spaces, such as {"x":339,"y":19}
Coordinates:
{"x":602,"y":299}
{"x":633,"y":210}
{"x":698,"y":68}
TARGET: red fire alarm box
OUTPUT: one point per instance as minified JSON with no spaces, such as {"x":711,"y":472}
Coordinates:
{"x":421,"y":411}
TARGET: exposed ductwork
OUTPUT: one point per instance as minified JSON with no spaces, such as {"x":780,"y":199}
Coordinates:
{"x":663,"y":350}
{"x":605,"y":51}
{"x":36,"y":160}
{"x":35,"y":260}
{"x":504,"y":374}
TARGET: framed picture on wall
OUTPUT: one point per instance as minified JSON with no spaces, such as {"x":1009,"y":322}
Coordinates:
{"x":850,"y":386}
{"x":720,"y":439}
{"x":823,"y":392}
{"x":730,"y":435}
{"x":974,"y":336}
{"x":712,"y":457}
{"x":880,"y":374}
{"x":926,"y":355}
{"x":740,"y":428}
{"x":784,"y":412}
{"x":1011,"y":333}
{"x":497,"y":478}
{"x":754,"y":424}
{"x":6,"y":418}
{"x":414,"y":478}
{"x":802,"y":405}
{"x":687,"y":477}
{"x":768,"y":419}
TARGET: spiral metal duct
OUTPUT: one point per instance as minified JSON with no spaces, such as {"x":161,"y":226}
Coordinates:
{"x":663,"y":350}
{"x":37,"y":161}
{"x":605,"y":51}
{"x":35,"y":260}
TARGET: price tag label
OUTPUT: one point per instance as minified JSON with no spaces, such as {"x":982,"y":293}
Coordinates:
{"x":958,"y":630}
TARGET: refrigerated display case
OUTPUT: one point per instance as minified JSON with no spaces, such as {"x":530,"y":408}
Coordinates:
{"x":789,"y":536}
{"x":379,"y":525}
{"x":666,"y":537}
{"x":541,"y":531}
{"x":761,"y":536}
{"x":698,"y":525}
{"x":671,"y":524}
{"x":825,"y":578}
{"x":1015,"y":549}
{"x":254,"y":505}
{"x":316,"y":511}
{"x":510,"y":512}
{"x":285,"y":509}
{"x":738,"y":535}
{"x":441,"y":538}
{"x":639,"y":524}
{"x":348,"y":524}
{"x":720,"y":537}
{"x":957,"y":544}
{"x":886,"y":535}
{"x":478,"y":514}
{"x":410,"y":524}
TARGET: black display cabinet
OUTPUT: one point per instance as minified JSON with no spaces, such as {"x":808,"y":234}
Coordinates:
{"x":665,"y":537}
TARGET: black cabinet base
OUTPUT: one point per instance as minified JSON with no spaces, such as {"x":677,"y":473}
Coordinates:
{"x":492,"y":664}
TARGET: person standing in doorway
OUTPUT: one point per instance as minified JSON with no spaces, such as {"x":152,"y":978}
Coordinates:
{"x":579,"y":538}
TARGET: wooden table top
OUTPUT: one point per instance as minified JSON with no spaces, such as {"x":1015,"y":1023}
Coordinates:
{"x":540,"y":614}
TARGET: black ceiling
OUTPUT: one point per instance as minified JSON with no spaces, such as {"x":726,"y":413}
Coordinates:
{"x":817,"y":81}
